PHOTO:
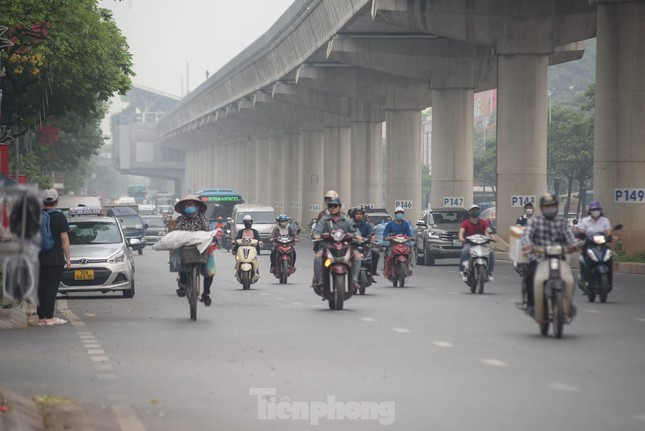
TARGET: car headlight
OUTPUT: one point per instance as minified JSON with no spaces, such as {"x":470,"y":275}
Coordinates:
{"x":117,"y":258}
{"x":435,"y":235}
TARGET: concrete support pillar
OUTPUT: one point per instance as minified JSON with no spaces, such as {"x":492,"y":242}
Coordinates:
{"x":252,"y":172}
{"x":403,"y":176}
{"x":264,"y":185}
{"x":240,"y":150}
{"x":452,"y":146}
{"x":338,"y":162}
{"x":294,"y":170}
{"x":521,"y":132}
{"x":619,"y":142}
{"x":313,"y":171}
{"x":276,"y":171}
{"x":366,"y":172}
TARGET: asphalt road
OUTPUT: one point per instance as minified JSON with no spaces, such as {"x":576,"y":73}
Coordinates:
{"x":430,"y":356}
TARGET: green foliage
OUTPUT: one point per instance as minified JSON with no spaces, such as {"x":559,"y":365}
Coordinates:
{"x":30,"y":165}
{"x":620,"y":255}
{"x":485,"y":167}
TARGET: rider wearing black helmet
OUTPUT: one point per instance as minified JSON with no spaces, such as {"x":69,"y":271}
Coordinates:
{"x":366,"y":230}
{"x":282,"y":229}
{"x":548,"y":228}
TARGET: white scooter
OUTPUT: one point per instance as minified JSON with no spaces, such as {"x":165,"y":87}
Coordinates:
{"x":247,"y":262}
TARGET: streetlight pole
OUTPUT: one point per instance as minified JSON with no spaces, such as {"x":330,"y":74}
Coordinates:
{"x":549,"y":93}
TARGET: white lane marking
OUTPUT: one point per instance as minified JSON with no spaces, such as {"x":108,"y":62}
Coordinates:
{"x":296,"y":303}
{"x":90,"y":341}
{"x":86,"y":337}
{"x":482,"y":296}
{"x":562,"y":387}
{"x":103,"y":367}
{"x":430,"y":288}
{"x":264,"y":294}
{"x":640,"y":417}
{"x":93,"y":346}
{"x":494,"y":362}
{"x":279,"y":299}
{"x":453,"y":292}
{"x":590,"y":310}
{"x":127,"y":418}
{"x":96,"y":352}
{"x":84,"y":333}
{"x":368,"y":319}
{"x":641,"y":319}
{"x":106,"y":376}
{"x":443,"y":344}
{"x":99,"y":359}
{"x":402,"y":330}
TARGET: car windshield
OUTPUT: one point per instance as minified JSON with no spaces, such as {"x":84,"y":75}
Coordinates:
{"x":260,"y":217}
{"x":131,"y":222}
{"x":156,"y":221}
{"x":448,"y":217}
{"x":94,"y":232}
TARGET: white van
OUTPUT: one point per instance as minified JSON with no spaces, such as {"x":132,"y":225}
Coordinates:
{"x":263,"y":220}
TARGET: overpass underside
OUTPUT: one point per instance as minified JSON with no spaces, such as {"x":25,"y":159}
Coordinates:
{"x":304,"y":109}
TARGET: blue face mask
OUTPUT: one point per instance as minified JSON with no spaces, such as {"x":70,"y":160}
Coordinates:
{"x":190,"y":210}
{"x":399,"y":216}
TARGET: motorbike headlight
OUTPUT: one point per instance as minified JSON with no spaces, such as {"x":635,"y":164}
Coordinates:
{"x":591,"y":255}
{"x":117,"y":258}
{"x":338,"y":235}
{"x":608,"y":255}
{"x":327,"y":263}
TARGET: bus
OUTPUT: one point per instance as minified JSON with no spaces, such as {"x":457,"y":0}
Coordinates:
{"x":138,"y":193}
{"x":220,"y":202}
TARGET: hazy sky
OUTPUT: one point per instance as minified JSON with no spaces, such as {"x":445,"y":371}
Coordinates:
{"x":165,"y":34}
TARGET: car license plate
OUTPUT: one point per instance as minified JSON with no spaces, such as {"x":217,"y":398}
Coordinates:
{"x":84,"y":274}
{"x":456,"y":243}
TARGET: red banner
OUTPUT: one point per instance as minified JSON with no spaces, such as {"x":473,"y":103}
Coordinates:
{"x":4,"y":159}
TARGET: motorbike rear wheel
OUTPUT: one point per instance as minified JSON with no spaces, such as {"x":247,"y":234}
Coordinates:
{"x":481,"y":279}
{"x":284,"y":274}
{"x":603,"y":288}
{"x":362,"y":282}
{"x":339,"y":291}
{"x":246,"y":280}
{"x":558,"y":314}
{"x":402,"y":272}
{"x":591,"y":295}
{"x":192,"y":291}
{"x":472,"y":283}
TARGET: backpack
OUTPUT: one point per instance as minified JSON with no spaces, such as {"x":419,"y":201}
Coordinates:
{"x":47,"y":240}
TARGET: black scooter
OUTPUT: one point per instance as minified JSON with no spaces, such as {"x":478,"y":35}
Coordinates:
{"x":596,"y":266}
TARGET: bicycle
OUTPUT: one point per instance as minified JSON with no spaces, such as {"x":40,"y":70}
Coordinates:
{"x":193,"y":260}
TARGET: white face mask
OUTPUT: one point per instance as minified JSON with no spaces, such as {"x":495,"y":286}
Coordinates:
{"x":529,"y":211}
{"x":596,"y":213}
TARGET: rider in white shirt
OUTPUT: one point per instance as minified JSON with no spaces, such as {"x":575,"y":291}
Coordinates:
{"x":595,"y":223}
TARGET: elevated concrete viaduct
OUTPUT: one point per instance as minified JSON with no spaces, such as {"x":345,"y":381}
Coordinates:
{"x":303,"y":108}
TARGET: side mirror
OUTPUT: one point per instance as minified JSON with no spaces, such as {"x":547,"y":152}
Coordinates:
{"x":133,"y":242}
{"x":421,"y":223}
{"x":575,"y":221}
{"x":618,"y":227}
{"x":146,"y":226}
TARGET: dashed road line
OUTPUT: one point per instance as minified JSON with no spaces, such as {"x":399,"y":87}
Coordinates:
{"x":443,"y":344}
{"x":641,"y":319}
{"x":494,"y":362}
{"x":640,"y":417}
{"x":296,"y":303}
{"x":402,"y":330}
{"x":562,"y":387}
{"x":368,"y":319}
{"x":591,"y":310}
{"x":279,"y":299}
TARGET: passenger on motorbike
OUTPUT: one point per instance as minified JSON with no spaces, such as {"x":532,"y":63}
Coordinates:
{"x":192,"y":218}
{"x":283,"y":229}
{"x":331,"y":194}
{"x":473,"y":226}
{"x":219,"y":224}
{"x":334,"y":220}
{"x":529,"y":210}
{"x":366,"y":232}
{"x":248,"y":232}
{"x":548,"y":228}
{"x":593,"y":224}
{"x":398,"y":226}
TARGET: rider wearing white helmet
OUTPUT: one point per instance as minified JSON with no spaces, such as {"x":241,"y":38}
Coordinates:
{"x":248,"y":232}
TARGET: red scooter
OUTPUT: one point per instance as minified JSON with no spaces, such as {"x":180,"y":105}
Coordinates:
{"x":338,"y":256}
{"x":283,"y":258}
{"x":397,"y":263}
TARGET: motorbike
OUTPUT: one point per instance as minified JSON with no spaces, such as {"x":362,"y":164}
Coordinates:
{"x":226,"y":239}
{"x":400,"y":252}
{"x":247,"y":262}
{"x":478,"y":260}
{"x":597,"y":258}
{"x":284,"y":258}
{"x":553,"y":287}
{"x":337,"y":255}
{"x":365,"y":276}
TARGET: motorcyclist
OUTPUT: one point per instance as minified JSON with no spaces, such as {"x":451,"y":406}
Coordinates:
{"x":192,"y":218}
{"x":366,"y":231}
{"x":283,"y":229}
{"x":473,"y":226}
{"x":398,"y":226}
{"x":331,"y":194}
{"x":593,"y":224}
{"x":529,"y":210}
{"x":334,"y":220}
{"x":248,"y":232}
{"x":219,"y":224}
{"x":548,"y":228}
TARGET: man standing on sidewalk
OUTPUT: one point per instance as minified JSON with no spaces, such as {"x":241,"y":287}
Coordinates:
{"x":52,"y":261}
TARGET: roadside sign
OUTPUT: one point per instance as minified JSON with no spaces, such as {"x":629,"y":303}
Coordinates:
{"x":518,"y":201}
{"x":629,"y":196}
{"x":452,"y":201}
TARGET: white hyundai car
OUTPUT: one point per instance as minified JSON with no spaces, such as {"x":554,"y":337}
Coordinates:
{"x":100,"y":255}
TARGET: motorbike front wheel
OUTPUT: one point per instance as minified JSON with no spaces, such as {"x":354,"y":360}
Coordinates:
{"x":481,"y":279}
{"x":402,"y":273}
{"x":558,"y":314}
{"x":603,"y":288}
{"x":339,"y":292}
{"x":246,"y":280}
{"x":193,"y":291}
{"x":284,"y":274}
{"x":362,"y":282}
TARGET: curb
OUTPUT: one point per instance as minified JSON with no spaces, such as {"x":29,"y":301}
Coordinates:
{"x":22,"y":413}
{"x":13,"y":318}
